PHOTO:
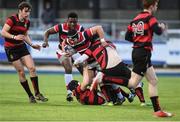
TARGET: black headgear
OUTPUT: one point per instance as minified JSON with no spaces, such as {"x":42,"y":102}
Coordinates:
{"x":73,"y":84}
{"x":72,"y":15}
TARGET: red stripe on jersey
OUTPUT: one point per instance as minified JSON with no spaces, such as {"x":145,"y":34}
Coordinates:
{"x":81,"y":37}
{"x":88,"y":52}
{"x":142,"y":31}
{"x":142,"y":38}
{"x":20,"y":29}
{"x":100,"y":100}
{"x":78,"y":27}
{"x":97,"y":42}
{"x":8,"y":44}
{"x":97,"y":51}
{"x":104,"y":62}
{"x":152,"y":21}
{"x":63,"y":36}
{"x":142,"y":15}
{"x":104,"y":91}
{"x":91,"y":97}
{"x":17,"y":27}
{"x":9,"y":22}
{"x":56,"y":28}
{"x":115,"y":80}
{"x":89,"y":33}
{"x":146,"y":26}
{"x":129,"y":28}
{"x":82,"y":48}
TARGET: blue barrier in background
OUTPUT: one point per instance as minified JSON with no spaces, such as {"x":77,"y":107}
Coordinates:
{"x":2,"y":51}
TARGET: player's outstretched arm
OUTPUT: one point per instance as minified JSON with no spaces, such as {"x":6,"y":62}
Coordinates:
{"x":46,"y":36}
{"x":99,"y":30}
{"x":80,"y":60}
{"x":29,"y":41}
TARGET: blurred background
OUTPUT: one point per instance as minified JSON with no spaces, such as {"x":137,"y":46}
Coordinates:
{"x":113,"y":15}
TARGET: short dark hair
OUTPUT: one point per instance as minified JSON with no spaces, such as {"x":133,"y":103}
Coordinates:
{"x":73,"y":85}
{"x":148,"y":3}
{"x":23,"y":5}
{"x":72,"y":15}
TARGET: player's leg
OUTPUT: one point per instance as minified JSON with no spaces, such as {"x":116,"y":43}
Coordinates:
{"x":108,"y":93}
{"x":79,"y":67}
{"x":140,"y":94}
{"x":88,"y":76}
{"x":139,"y":59}
{"x":29,"y":63}
{"x":120,"y":98}
{"x":67,"y":64}
{"x":134,"y":80}
{"x":21,"y":73}
{"x":153,"y":93}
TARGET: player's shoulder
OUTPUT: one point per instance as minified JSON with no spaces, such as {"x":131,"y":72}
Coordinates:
{"x":63,"y":27}
{"x":13,"y":17}
{"x":10,"y":20}
{"x":79,"y":27}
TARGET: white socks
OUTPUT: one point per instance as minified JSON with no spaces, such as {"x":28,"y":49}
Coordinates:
{"x":68,"y":78}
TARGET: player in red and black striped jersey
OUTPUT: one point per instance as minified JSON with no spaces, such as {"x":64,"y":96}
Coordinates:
{"x":140,"y":32}
{"x":62,"y":30}
{"x":95,"y":97}
{"x":80,"y":45}
{"x":86,"y":97}
{"x":102,"y":54}
{"x":99,"y":49}
{"x":15,"y":31}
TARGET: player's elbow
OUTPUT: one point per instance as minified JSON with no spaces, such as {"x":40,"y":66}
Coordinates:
{"x":46,"y":33}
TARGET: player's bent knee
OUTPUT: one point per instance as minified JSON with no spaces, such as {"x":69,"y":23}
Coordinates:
{"x":21,"y":73}
{"x":132,"y":85}
{"x":32,"y":69}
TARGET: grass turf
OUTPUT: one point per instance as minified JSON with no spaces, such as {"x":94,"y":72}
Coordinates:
{"x":14,"y":104}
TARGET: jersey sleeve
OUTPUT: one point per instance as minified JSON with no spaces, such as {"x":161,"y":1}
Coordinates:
{"x":9,"y":21}
{"x":88,"y":34}
{"x":88,"y":52}
{"x":56,"y":28}
{"x":153,"y":23}
{"x":129,"y":34}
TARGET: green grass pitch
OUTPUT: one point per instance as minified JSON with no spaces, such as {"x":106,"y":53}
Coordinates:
{"x":14,"y":104}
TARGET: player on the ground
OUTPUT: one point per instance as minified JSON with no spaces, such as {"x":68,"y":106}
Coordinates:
{"x":15,"y":31}
{"x":86,"y":97}
{"x":94,"y":97}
